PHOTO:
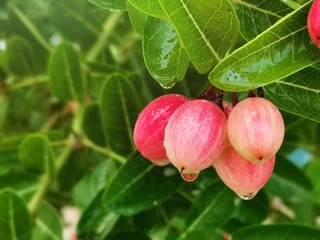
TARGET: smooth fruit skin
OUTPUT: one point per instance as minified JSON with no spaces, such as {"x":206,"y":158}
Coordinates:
{"x":148,"y":132}
{"x":195,"y":136}
{"x":255,"y":129}
{"x":313,"y":23}
{"x":242,"y":176}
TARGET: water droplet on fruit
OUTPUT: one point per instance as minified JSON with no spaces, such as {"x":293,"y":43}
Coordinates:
{"x":189,"y":177}
{"x":161,"y":163}
{"x":167,"y":85}
{"x":247,"y":197}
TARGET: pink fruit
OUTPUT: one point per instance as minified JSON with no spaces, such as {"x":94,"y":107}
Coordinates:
{"x":195,"y":136}
{"x":149,"y":128}
{"x":242,"y":176}
{"x":313,"y":23}
{"x":255,"y":129}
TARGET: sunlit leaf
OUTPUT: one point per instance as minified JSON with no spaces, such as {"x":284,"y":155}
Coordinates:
{"x":280,"y":51}
{"x":298,"y":94}
{"x":149,"y":7}
{"x":255,"y":16}
{"x":137,"y":18}
{"x":207,"y":29}
{"x":165,"y":59}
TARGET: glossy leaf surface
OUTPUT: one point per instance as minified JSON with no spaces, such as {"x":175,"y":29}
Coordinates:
{"x":207,"y":29}
{"x":283,"y":49}
{"x":255,"y":16}
{"x":114,"y":5}
{"x":165,"y":59}
{"x":149,"y":7}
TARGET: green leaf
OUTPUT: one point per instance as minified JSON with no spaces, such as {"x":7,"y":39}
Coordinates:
{"x":48,"y":223}
{"x":75,"y":20}
{"x":119,"y":110}
{"x":165,"y":59}
{"x":96,"y":221}
{"x":288,"y":181}
{"x":149,"y":7}
{"x":137,"y":18}
{"x":255,"y":16}
{"x":114,"y":5}
{"x":36,"y":154}
{"x":280,"y":51}
{"x":15,"y":220}
{"x":65,"y":75}
{"x":139,"y":174}
{"x":20,"y":57}
{"x":298,"y":94}
{"x":4,"y":104}
{"x":132,"y":235}
{"x":92,"y":124}
{"x":277,"y":231}
{"x":207,"y":29}
{"x":216,"y":200}
{"x":23,"y":184}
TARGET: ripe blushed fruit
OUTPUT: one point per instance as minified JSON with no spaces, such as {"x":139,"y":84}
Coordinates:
{"x":148,"y":132}
{"x":242,"y":176}
{"x":195,"y":136}
{"x":313,"y":23}
{"x":255,"y":129}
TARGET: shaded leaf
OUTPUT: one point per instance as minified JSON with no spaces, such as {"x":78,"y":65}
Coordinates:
{"x":158,"y":183}
{"x":92,"y":124}
{"x":65,"y":75}
{"x":15,"y":220}
{"x":165,"y":59}
{"x":115,"y":5}
{"x":48,"y":223}
{"x":216,"y":200}
{"x":277,"y":231}
{"x":20,"y":57}
{"x":36,"y":154}
{"x":4,"y":104}
{"x":132,"y":235}
{"x":298,"y":94}
{"x":255,"y":16}
{"x":96,"y":221}
{"x":280,"y":51}
{"x":207,"y":29}
{"x":119,"y":110}
{"x":149,"y":7}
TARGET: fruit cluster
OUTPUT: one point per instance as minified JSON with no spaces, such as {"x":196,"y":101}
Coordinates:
{"x":239,"y":140}
{"x":313,"y":23}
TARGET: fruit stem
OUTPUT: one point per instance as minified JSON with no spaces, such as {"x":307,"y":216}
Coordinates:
{"x":260,"y":92}
{"x":251,"y":94}
{"x":235,"y":98}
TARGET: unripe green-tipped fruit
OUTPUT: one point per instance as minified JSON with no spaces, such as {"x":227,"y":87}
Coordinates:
{"x":148,"y":132}
{"x":313,"y":23}
{"x":242,"y":176}
{"x":255,"y":129}
{"x":195,"y":136}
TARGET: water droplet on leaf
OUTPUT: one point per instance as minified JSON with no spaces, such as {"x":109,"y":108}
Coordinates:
{"x":167,"y":85}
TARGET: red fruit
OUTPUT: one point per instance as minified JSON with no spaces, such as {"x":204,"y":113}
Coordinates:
{"x":255,"y":129}
{"x":149,"y":128}
{"x":313,"y":23}
{"x":195,"y":136}
{"x":242,"y":176}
